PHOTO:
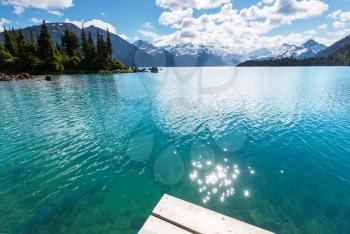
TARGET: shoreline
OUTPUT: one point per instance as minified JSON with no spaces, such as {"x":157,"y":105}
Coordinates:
{"x":27,"y":76}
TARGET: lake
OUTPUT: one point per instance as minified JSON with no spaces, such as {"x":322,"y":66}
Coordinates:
{"x":95,"y":153}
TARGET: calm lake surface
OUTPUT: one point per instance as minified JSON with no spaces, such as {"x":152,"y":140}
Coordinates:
{"x":95,"y":153}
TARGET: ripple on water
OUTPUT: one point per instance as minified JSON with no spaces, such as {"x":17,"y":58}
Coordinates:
{"x":80,"y":152}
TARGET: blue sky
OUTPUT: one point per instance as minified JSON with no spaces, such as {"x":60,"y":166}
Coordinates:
{"x":239,"y":25}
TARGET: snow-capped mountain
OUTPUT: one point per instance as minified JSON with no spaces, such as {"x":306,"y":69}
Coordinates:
{"x":148,"y":47}
{"x":263,"y":53}
{"x":307,"y":50}
{"x":189,"y":49}
{"x":313,"y":48}
{"x":200,"y":55}
{"x":294,"y":51}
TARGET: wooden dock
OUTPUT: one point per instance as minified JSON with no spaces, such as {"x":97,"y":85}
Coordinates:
{"x":175,"y":216}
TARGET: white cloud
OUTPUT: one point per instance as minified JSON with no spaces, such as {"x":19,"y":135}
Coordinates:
{"x":94,"y":22}
{"x":173,"y":17}
{"x":125,"y":37}
{"x":341,"y":19}
{"x":148,"y":25}
{"x":36,"y":20}
{"x":237,"y":30}
{"x":339,"y":25}
{"x":55,"y":12}
{"x":20,"y":5}
{"x":3,"y":23}
{"x":152,"y":35}
{"x":196,"y":4}
{"x":322,"y":26}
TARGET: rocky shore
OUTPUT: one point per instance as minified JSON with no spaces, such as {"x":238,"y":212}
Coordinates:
{"x":22,"y":76}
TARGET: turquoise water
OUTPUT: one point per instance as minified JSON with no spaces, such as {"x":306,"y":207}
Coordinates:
{"x":94,"y":154}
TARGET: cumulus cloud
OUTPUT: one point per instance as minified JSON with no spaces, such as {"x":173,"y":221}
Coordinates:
{"x":55,"y":12}
{"x":94,"y":22}
{"x":173,"y":17}
{"x":195,"y":4}
{"x":236,"y":30}
{"x":341,"y":19}
{"x":36,"y":20}
{"x":3,"y":23}
{"x":148,"y":25}
{"x":20,"y":5}
{"x":322,"y":26}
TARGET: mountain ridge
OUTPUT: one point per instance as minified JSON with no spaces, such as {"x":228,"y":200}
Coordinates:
{"x":143,"y":53}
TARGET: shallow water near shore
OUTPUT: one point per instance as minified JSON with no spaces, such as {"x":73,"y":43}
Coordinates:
{"x":95,"y":153}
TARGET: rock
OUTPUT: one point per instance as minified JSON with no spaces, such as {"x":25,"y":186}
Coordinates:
{"x":48,"y":78}
{"x":22,"y":76}
{"x":154,"y":69}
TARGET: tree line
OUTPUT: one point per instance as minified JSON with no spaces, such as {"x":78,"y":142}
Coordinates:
{"x":339,"y":58}
{"x":38,"y":55}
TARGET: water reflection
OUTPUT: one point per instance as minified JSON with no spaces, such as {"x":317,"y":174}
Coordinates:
{"x":219,"y":181}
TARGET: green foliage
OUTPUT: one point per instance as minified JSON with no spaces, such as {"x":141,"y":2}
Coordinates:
{"x":6,"y":59}
{"x":42,"y":55}
{"x":10,"y":41}
{"x":70,"y":43}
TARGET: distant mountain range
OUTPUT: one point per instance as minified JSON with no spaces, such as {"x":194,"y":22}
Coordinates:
{"x":214,"y":57}
{"x":144,"y":54}
{"x":335,"y":47}
{"x":337,"y":54}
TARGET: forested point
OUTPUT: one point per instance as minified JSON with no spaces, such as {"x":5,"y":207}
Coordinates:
{"x":339,"y":58}
{"x":42,"y":56}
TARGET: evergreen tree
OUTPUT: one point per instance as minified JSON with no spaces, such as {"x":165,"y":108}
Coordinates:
{"x":70,"y":43}
{"x":6,"y":59}
{"x":21,"y":44}
{"x":109,"y":49}
{"x":32,"y":62}
{"x":101,"y":52}
{"x":31,"y":45}
{"x":91,"y":54}
{"x":45,"y":47}
{"x":84,"y":43}
{"x":47,"y":52}
{"x":42,"y":55}
{"x":10,"y":42}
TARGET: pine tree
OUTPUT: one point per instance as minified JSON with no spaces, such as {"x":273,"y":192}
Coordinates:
{"x":10,"y":42}
{"x":47,"y":52}
{"x":84,"y":43}
{"x":109,"y":49}
{"x":31,"y":46}
{"x":101,"y":52}
{"x":32,"y":62}
{"x":70,"y":43}
{"x":45,"y":46}
{"x":91,"y":53}
{"x":6,"y":59}
{"x":21,"y":45}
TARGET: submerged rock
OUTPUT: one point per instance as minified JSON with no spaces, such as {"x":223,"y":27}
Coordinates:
{"x":48,"y":78}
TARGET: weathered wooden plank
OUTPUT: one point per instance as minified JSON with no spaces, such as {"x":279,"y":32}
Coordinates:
{"x":201,"y":220}
{"x":154,"y":225}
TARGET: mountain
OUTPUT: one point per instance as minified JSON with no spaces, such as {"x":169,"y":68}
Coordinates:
{"x":124,"y":51}
{"x":148,"y":47}
{"x":145,"y":54}
{"x":312,"y":47}
{"x":335,"y":47}
{"x":307,"y":50}
{"x":184,"y":55}
{"x":341,"y":57}
{"x":189,"y":49}
{"x":260,"y":54}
